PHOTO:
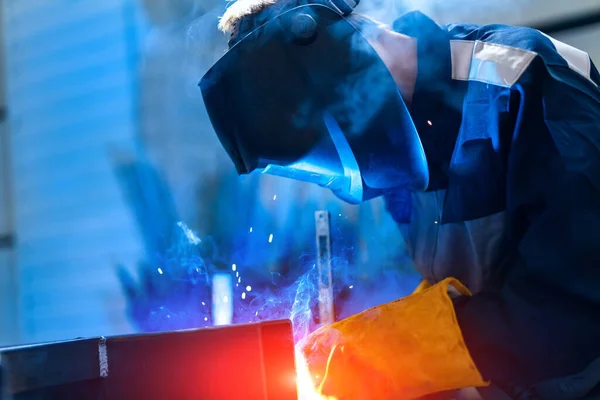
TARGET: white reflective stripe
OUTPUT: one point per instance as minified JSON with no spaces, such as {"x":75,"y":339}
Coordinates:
{"x":578,"y":60}
{"x":488,"y":62}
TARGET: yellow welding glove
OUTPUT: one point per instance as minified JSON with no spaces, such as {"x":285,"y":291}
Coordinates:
{"x":405,"y":349}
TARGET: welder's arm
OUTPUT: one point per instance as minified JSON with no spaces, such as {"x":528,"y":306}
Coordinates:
{"x":405,"y":349}
{"x":543,"y":322}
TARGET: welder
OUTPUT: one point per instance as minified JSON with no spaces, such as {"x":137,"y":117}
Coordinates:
{"x":484,"y":142}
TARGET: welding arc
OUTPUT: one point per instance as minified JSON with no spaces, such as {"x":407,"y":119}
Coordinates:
{"x":327,"y":368}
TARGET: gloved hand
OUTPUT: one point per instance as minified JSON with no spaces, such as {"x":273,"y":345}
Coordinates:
{"x":406,"y":349}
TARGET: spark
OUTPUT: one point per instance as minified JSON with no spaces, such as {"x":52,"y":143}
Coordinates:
{"x":206,"y":318}
{"x":429,"y":123}
{"x":203,"y":303}
{"x":275,"y":197}
{"x":248,"y":288}
{"x":233,"y":267}
{"x":250,"y":229}
{"x":237,"y":274}
{"x":243,"y":295}
{"x":351,"y":286}
{"x":271,"y":238}
{"x":160,"y":271}
{"x":256,"y":314}
{"x":225,"y":299}
{"x":240,"y":279}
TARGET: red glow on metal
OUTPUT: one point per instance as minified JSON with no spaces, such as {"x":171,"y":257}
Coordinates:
{"x":254,"y":361}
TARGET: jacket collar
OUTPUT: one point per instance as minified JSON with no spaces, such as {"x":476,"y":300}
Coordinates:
{"x":435,"y":62}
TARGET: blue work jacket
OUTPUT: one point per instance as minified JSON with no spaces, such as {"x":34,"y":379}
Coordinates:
{"x":510,"y":122}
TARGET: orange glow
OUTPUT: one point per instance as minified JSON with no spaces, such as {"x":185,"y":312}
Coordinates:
{"x":306,"y":385}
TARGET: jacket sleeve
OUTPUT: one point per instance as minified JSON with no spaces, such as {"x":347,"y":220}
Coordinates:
{"x":542,"y":321}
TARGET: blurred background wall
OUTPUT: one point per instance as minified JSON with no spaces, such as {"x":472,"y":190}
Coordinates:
{"x":100,"y":114}
{"x":70,"y":84}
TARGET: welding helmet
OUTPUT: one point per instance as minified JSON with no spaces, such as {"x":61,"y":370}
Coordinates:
{"x":302,"y":94}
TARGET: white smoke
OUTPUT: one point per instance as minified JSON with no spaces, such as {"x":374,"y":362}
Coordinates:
{"x":446,"y":11}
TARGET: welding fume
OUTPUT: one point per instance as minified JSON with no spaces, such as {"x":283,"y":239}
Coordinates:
{"x":483,"y":142}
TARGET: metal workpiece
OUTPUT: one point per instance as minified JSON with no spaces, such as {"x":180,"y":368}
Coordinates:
{"x":39,"y":371}
{"x":254,"y":361}
{"x":323,"y":235}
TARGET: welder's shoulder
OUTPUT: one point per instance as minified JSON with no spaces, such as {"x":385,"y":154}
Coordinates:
{"x":526,"y":49}
{"x":511,"y":37}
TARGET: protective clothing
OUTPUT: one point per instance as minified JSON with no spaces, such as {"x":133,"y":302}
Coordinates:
{"x":305,"y":96}
{"x":509,"y":119}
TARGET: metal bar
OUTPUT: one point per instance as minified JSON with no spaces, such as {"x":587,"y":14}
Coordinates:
{"x":326,"y":309}
{"x":35,"y":367}
{"x":254,"y":361}
{"x":222,"y":299}
{"x":579,"y":21}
